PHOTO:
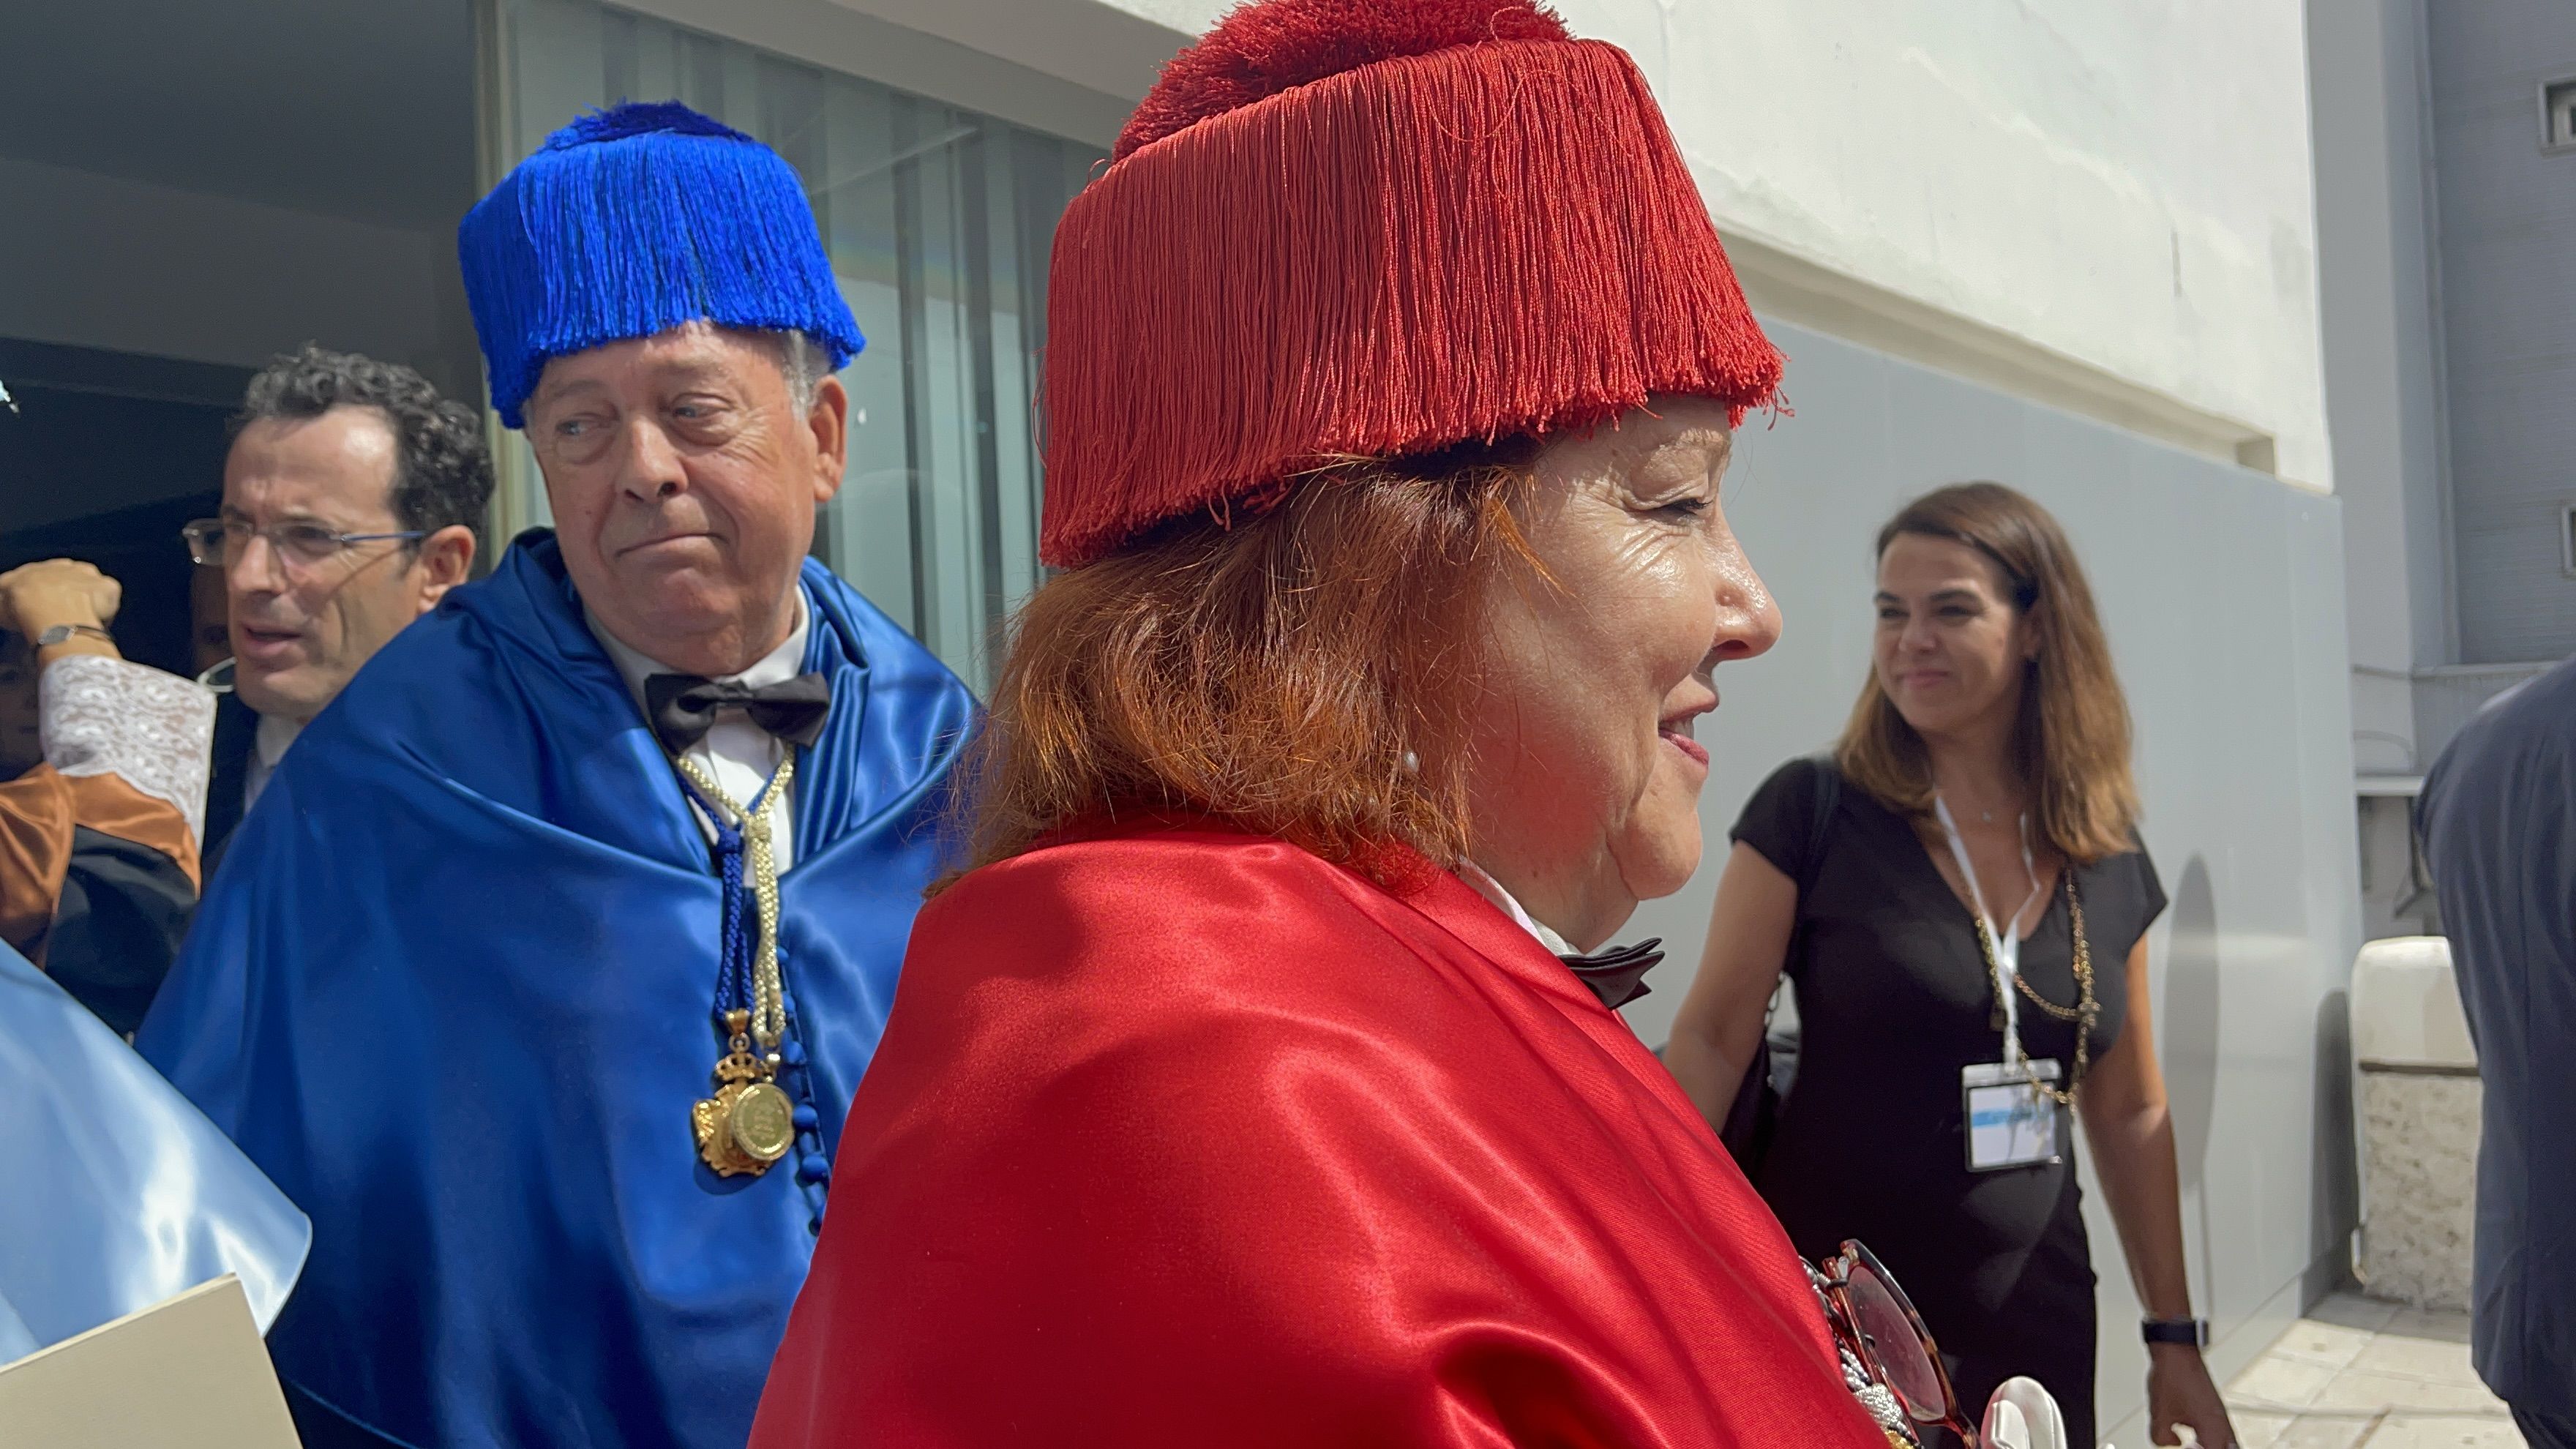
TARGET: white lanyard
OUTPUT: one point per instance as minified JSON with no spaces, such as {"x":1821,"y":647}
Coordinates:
{"x":2007,"y":936}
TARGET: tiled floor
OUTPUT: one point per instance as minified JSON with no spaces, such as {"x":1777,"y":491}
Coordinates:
{"x":2357,"y":1373}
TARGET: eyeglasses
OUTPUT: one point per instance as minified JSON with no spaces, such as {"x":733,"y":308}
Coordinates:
{"x":1874,"y":1319}
{"x":215,"y":542}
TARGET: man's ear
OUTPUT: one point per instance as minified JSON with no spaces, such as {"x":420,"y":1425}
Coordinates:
{"x":830,"y":420}
{"x":446,"y":560}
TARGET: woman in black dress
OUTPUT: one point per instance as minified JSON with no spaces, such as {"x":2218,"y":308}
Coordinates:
{"x":1926,"y":889}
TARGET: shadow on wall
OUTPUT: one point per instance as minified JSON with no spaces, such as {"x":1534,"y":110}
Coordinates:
{"x":2334,"y":1193}
{"x":2190,"y":1030}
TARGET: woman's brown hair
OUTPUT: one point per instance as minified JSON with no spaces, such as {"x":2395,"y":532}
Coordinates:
{"x":1305,"y":672}
{"x":2071,"y":742}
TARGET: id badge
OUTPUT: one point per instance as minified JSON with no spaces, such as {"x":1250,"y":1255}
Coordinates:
{"x":2011,"y":1123}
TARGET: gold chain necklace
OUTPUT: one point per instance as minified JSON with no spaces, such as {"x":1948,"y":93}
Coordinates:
{"x":749,"y":1123}
{"x":2086,"y":1011}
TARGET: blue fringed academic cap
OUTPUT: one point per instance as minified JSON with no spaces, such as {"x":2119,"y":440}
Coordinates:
{"x":630,"y":222}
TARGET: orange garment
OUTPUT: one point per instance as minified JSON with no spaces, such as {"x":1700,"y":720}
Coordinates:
{"x":38,"y":811}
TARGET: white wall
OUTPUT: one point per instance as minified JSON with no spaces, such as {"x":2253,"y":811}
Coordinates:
{"x":2124,"y":184}
{"x":97,"y":261}
{"x":2114,"y":195}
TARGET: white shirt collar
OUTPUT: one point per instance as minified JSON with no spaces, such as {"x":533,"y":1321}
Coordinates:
{"x":268,"y":742}
{"x":1492,"y":890}
{"x":775,"y":667}
{"x":274,"y":734}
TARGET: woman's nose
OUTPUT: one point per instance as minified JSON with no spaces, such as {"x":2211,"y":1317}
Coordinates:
{"x":1748,"y":618}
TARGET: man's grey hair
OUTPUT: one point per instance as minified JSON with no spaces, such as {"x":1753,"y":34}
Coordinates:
{"x":801,"y":363}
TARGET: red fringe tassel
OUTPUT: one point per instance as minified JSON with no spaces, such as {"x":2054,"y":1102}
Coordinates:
{"x":1482,"y":241}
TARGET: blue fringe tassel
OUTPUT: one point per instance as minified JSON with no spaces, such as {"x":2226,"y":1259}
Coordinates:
{"x":632,"y":221}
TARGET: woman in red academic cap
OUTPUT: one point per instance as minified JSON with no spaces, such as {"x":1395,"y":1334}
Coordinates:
{"x":1241,"y":1093}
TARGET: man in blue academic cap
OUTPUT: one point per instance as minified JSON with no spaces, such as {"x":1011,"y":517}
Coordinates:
{"x":544,"y":969}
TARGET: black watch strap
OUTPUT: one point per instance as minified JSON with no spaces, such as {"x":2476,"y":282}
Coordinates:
{"x":2192,"y":1332}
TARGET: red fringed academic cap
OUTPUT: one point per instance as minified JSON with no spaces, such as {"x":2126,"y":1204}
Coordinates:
{"x":1364,"y":228}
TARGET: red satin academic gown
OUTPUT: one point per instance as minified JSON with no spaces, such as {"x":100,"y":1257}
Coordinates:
{"x":1182,"y":1136}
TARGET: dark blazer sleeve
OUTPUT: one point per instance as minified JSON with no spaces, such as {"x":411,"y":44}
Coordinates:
{"x":235,"y":727}
{"x":125,"y":907}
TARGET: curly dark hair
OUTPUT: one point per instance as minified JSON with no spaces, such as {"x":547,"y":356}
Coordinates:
{"x":443,"y":468}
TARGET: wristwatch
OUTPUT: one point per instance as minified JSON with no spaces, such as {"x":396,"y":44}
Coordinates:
{"x":2191,"y":1332}
{"x":63,"y":632}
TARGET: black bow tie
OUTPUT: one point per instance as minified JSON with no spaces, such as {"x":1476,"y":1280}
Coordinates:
{"x":684,"y":707}
{"x":1617,"y":975}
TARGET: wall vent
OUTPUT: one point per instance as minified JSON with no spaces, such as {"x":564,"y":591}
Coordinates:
{"x":2558,"y":116}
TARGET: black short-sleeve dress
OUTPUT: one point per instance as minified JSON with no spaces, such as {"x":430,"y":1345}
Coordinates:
{"x":1894,"y":1000}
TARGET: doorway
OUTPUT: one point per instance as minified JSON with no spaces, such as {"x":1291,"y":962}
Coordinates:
{"x":103,"y":456}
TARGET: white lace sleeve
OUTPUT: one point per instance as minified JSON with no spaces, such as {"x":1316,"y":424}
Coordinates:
{"x":102,"y":716}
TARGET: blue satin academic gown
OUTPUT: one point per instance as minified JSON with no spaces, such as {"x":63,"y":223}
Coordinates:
{"x":117,"y":1193}
{"x":451,"y":989}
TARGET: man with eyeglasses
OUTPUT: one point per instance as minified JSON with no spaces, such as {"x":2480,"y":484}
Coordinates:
{"x":353,"y":498}
{"x":544,"y":974}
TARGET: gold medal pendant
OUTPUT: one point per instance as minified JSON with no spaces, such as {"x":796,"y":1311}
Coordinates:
{"x":762,"y":1123}
{"x":749,"y":1123}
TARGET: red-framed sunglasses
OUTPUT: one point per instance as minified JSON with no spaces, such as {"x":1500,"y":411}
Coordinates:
{"x":1874,"y":1319}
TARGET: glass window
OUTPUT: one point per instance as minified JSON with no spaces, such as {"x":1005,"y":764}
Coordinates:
{"x":938,"y":221}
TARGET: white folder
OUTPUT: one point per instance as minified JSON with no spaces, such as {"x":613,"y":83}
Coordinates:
{"x":188,"y":1372}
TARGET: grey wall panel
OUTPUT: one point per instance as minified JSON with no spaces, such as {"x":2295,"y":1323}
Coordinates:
{"x":2223,"y":593}
{"x":2505,"y":213}
{"x":2375,"y":277}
